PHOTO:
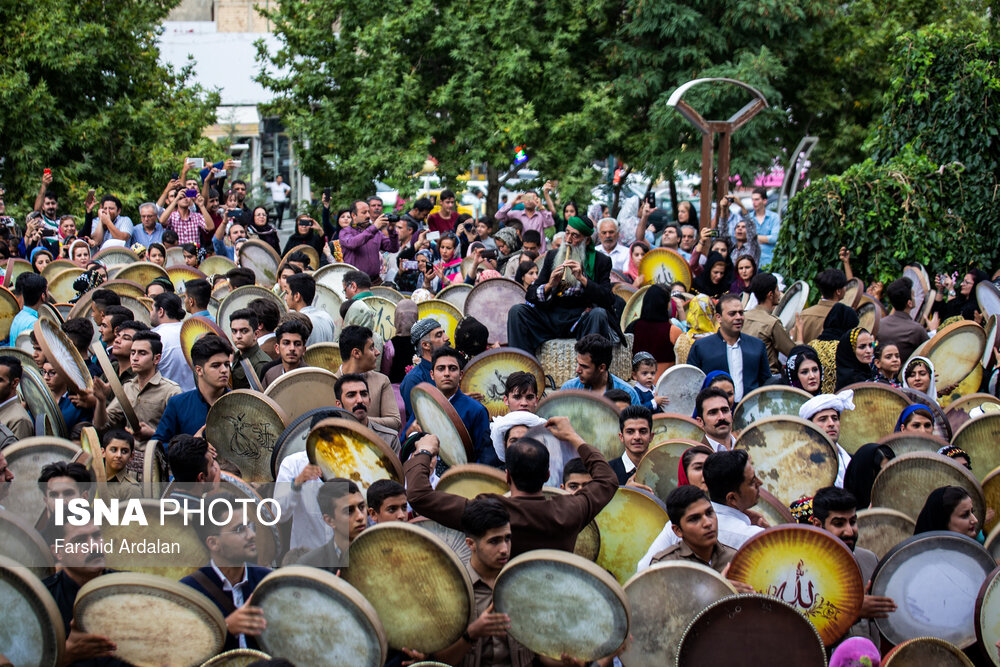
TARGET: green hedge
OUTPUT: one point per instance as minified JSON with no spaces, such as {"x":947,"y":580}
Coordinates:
{"x":929,"y":193}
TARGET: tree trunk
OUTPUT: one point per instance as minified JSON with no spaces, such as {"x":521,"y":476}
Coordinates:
{"x":673,"y":195}
{"x":492,"y":192}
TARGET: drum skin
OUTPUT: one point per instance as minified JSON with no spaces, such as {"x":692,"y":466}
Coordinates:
{"x":750,"y":630}
{"x":543,"y":591}
{"x":934,"y":578}
{"x":340,"y":628}
{"x":628,"y":525}
{"x":681,"y":384}
{"x":665,"y":598}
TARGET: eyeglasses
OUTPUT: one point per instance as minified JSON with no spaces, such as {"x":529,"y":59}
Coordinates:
{"x":50,"y":374}
{"x":240,"y":530}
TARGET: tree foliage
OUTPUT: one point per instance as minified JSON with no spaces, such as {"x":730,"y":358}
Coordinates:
{"x":82,"y":93}
{"x":930,"y":190}
{"x":660,"y":45}
{"x":835,"y":85}
{"x":371,"y":89}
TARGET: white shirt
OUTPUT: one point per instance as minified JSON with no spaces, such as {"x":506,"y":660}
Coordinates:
{"x":236,"y":590}
{"x":324,"y":330}
{"x":308,"y":528}
{"x":718,"y":446}
{"x":627,"y":462}
{"x":843,"y":458}
{"x":734,"y":355}
{"x":123,"y":224}
{"x":173,"y":365}
{"x":619,"y":256}
{"x":734,"y":529}
{"x":279,"y":192}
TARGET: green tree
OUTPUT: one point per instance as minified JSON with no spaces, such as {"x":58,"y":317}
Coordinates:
{"x":660,"y":45}
{"x":82,"y":93}
{"x":929,"y":191}
{"x":834,"y":88}
{"x":371,"y":89}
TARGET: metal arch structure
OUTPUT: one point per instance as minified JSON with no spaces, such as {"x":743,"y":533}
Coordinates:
{"x":793,"y":172}
{"x":709,"y":128}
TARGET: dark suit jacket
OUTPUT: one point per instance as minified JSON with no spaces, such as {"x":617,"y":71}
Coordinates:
{"x":709,"y":354}
{"x":619,"y":468}
{"x":254,"y":575}
{"x":597,"y":293}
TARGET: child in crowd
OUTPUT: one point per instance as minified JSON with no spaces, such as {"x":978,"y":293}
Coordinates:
{"x":644,"y":378}
{"x":117,"y":447}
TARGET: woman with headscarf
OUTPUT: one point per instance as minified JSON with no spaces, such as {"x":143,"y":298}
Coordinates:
{"x":865,"y":465}
{"x":79,"y":253}
{"x":307,"y":232}
{"x":915,"y":418}
{"x":855,"y":353}
{"x":919,"y":374}
{"x":723,"y":381}
{"x":803,"y":370}
{"x":948,"y":508}
{"x":716,"y":278}
{"x":746,"y":269}
{"x":856,"y":652}
{"x":689,"y":469}
{"x":40,"y":258}
{"x":636,"y":252}
{"x":963,"y":302}
{"x":402,"y":347}
{"x":839,"y":321}
{"x":508,"y":250}
{"x":653,"y":332}
{"x":701,"y":323}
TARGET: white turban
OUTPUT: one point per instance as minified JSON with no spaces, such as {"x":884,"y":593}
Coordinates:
{"x":839,"y":402}
{"x":500,"y":426}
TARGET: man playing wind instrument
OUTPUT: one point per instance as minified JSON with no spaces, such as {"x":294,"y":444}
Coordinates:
{"x":570,"y":298}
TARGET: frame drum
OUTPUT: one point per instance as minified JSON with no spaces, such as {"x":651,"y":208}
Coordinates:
{"x":315,"y":618}
{"x":665,"y":598}
{"x":32,"y":632}
{"x":436,"y":415}
{"x":681,"y":384}
{"x":544,"y":591}
{"x":934,"y":578}
{"x":153,"y":620}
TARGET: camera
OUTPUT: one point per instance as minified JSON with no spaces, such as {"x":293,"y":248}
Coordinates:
{"x":467,"y":226}
{"x":713,"y":233}
{"x":410,"y":265}
{"x":191,"y":193}
{"x":392,"y":217}
{"x":489,"y":254}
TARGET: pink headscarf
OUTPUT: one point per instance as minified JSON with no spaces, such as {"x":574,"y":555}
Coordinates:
{"x":856,"y":652}
{"x":486,"y":274}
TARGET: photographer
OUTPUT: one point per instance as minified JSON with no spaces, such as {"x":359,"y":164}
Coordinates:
{"x":364,"y":239}
{"x":307,"y":232}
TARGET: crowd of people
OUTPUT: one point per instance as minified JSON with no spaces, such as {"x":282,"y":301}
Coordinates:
{"x":578,"y":268}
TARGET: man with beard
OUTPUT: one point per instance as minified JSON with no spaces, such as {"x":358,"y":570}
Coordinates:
{"x":351,"y":392}
{"x":740,"y":355}
{"x":571,"y":296}
{"x":362,"y":241}
{"x":79,"y":552}
{"x":229,"y":580}
{"x":357,"y":349}
{"x":835,"y":511}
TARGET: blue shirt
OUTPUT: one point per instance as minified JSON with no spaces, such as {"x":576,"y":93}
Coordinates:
{"x":616,"y":383}
{"x":769,"y":228}
{"x":476,"y":418}
{"x":185,"y":413}
{"x":23,"y":321}
{"x":204,"y":313}
{"x":222,"y":249}
{"x":419,"y":373}
{"x":73,"y":415}
{"x":140,"y":235}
